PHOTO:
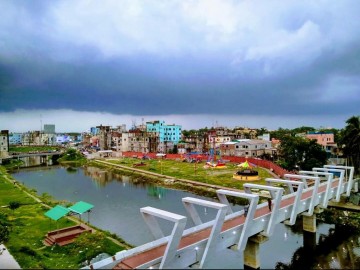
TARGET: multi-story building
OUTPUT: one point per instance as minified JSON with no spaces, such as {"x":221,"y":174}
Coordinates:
{"x":247,"y":148}
{"x":245,"y":133}
{"x":166,"y":133}
{"x":325,"y":139}
{"x":94,"y":131}
{"x":48,"y":139}
{"x":15,"y":138}
{"x":49,"y":129}
{"x":31,"y":138}
{"x":104,"y":137}
{"x":4,"y":143}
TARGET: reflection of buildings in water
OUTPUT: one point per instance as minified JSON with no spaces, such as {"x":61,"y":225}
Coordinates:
{"x":340,"y":249}
{"x":101,"y":177}
{"x":36,"y":161}
{"x":154,"y":191}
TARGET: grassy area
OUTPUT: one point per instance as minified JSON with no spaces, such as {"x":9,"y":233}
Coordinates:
{"x":28,"y":226}
{"x":193,"y":171}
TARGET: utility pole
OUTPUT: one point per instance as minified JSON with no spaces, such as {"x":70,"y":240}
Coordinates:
{"x":40,"y":130}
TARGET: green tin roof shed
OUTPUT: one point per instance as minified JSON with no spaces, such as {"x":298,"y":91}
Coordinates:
{"x":57,"y":212}
{"x":81,"y":207}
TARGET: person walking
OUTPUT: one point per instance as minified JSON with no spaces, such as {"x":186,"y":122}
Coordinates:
{"x":269,"y":203}
{"x":246,"y":210}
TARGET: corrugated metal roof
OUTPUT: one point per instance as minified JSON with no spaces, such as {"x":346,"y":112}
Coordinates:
{"x":57,"y":212}
{"x":80,"y":207}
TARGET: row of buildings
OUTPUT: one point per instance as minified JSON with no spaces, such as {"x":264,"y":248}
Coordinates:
{"x":156,"y":136}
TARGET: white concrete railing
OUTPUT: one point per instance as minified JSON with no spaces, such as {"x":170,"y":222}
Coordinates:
{"x":322,"y":190}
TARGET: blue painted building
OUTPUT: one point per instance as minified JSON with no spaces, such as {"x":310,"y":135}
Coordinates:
{"x":167,"y":133}
{"x":15,"y":138}
{"x":94,"y":131}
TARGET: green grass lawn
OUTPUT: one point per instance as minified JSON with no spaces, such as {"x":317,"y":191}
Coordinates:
{"x":193,"y":171}
{"x":28,"y":226}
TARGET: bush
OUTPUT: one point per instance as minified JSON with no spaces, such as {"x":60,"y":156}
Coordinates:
{"x":14,"y":205}
{"x":28,"y":251}
{"x":4,"y":233}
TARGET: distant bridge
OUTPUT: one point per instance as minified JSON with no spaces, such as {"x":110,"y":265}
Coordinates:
{"x":305,"y":193}
{"x":22,"y":155}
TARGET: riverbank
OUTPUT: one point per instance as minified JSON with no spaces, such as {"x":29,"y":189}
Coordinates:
{"x":24,"y":228}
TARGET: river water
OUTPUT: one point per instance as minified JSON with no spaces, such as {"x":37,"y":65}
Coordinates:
{"x":117,"y":200}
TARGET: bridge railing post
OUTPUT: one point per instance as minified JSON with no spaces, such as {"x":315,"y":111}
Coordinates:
{"x":290,"y":184}
{"x":276,"y":194}
{"x":254,"y":199}
{"x":148,"y":214}
{"x":315,"y":197}
{"x":218,"y":222}
{"x":341,"y":179}
{"x":350,"y":179}
{"x":328,"y":184}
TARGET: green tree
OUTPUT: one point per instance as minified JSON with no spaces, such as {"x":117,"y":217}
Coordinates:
{"x":300,"y":153}
{"x":280,"y":133}
{"x":350,"y":141}
{"x":262,"y":131}
{"x":72,"y":155}
{"x":302,"y":129}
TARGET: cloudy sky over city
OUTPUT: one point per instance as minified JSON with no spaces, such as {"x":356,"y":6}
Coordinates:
{"x":204,"y":63}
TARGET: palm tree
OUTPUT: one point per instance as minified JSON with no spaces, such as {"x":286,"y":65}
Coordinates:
{"x":351,"y":141}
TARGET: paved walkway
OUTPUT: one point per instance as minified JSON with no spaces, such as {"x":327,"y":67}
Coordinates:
{"x":7,"y":261}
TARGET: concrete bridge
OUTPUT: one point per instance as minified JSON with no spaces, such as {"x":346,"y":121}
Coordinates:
{"x":306,"y":194}
{"x":22,"y":155}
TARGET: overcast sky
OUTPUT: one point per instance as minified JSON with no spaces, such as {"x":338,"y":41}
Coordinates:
{"x":271,"y":64}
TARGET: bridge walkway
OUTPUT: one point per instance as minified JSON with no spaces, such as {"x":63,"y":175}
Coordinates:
{"x":142,"y":258}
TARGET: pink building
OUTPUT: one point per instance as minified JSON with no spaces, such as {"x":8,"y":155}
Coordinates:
{"x":321,"y":138}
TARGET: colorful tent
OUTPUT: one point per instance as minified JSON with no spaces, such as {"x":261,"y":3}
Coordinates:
{"x":245,"y":165}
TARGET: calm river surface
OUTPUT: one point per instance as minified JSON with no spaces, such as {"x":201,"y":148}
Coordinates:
{"x":117,"y":201}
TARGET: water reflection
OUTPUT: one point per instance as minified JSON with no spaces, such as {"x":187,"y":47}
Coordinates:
{"x":158,"y":192}
{"x":117,"y":200}
{"x":339,"y":249}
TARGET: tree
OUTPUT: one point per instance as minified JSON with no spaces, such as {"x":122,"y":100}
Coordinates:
{"x":350,"y":140}
{"x":302,"y":129}
{"x":300,"y":153}
{"x":280,"y":133}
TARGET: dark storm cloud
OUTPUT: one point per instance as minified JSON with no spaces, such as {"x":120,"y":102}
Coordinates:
{"x":127,"y":61}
